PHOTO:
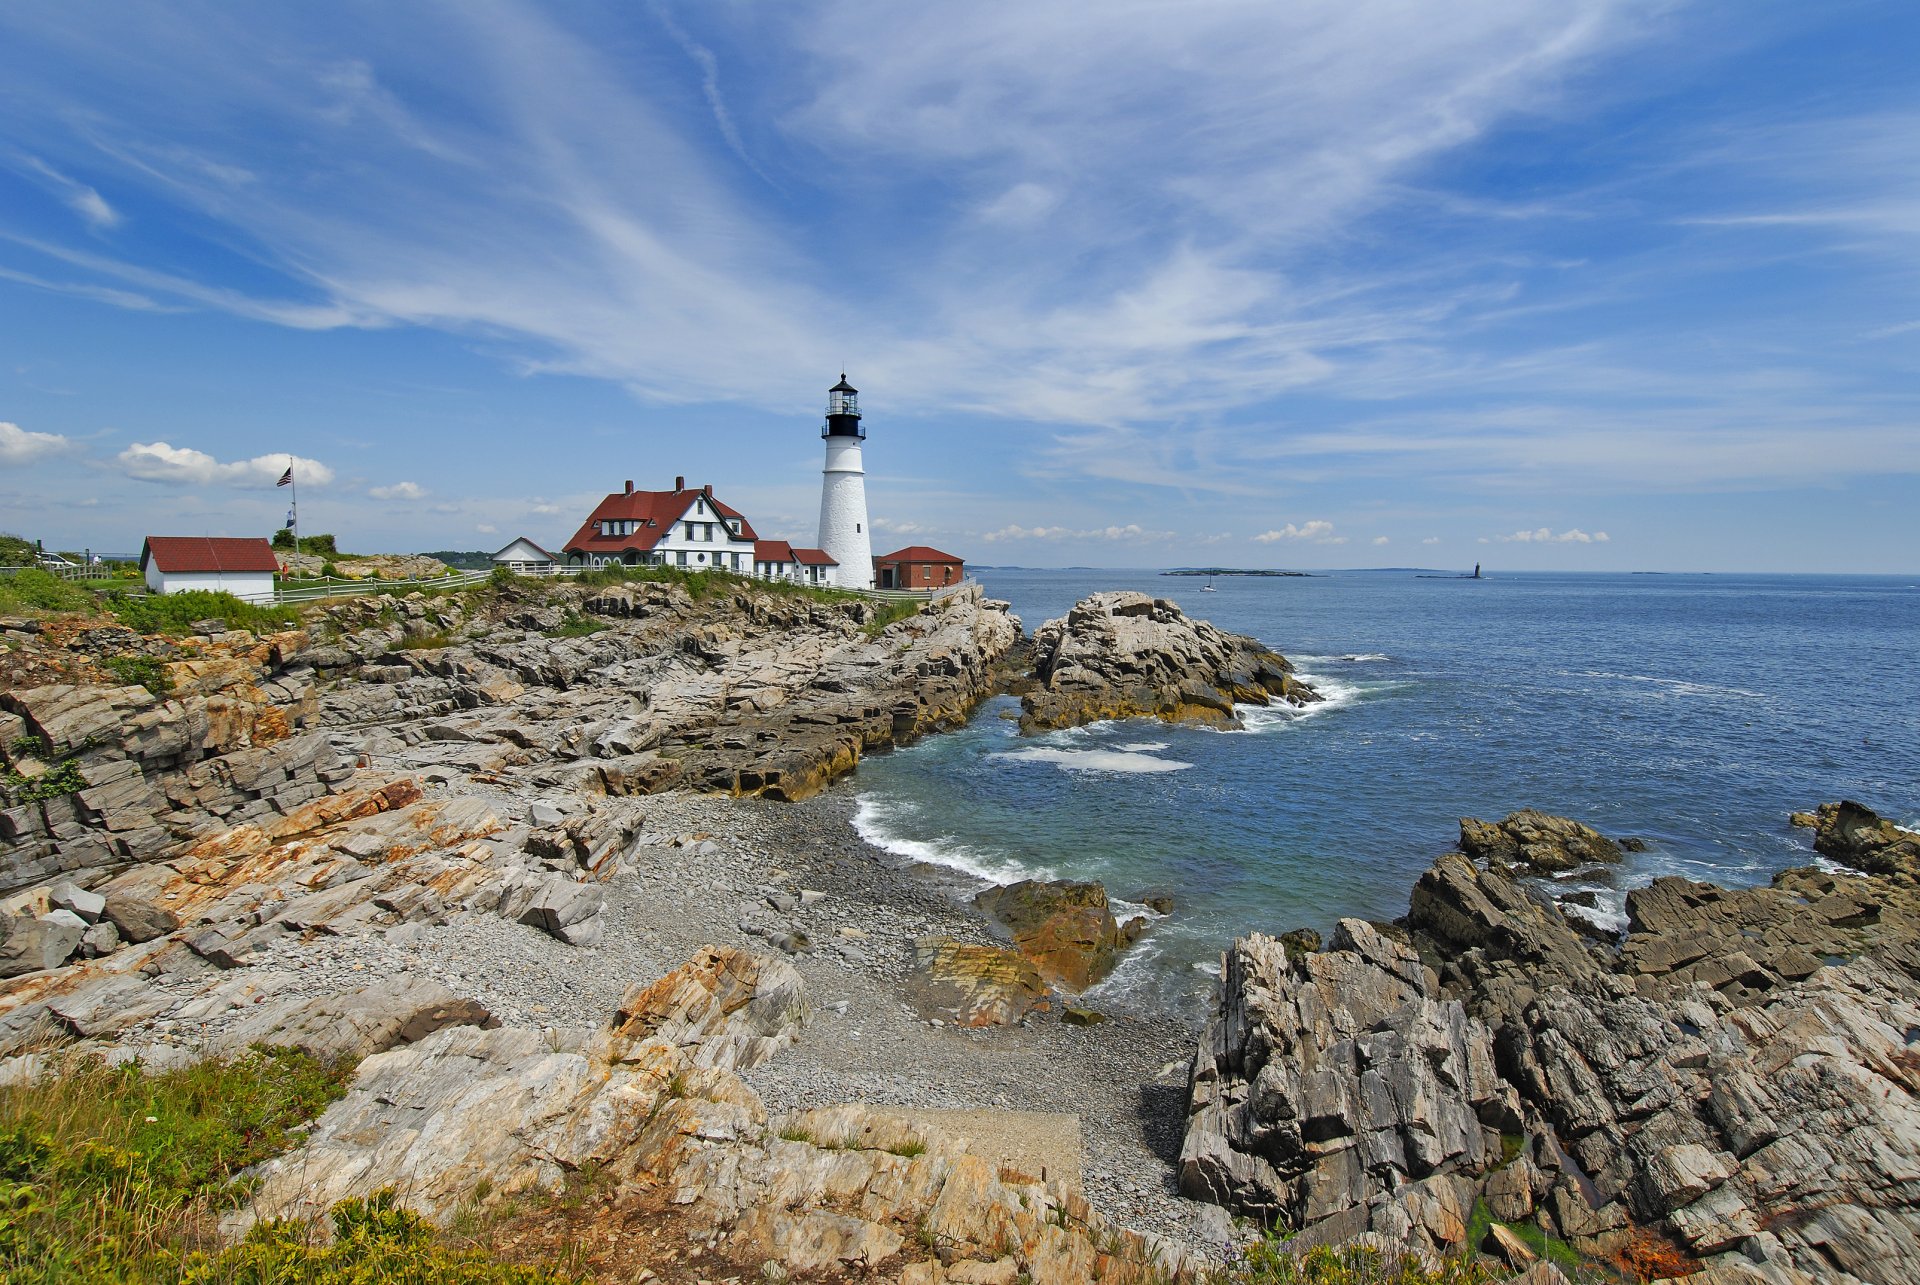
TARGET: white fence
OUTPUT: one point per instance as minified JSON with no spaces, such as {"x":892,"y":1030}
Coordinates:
{"x":465,"y":579}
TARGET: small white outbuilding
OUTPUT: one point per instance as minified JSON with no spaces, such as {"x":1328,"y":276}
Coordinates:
{"x":242,"y":567}
{"x":525,"y":558}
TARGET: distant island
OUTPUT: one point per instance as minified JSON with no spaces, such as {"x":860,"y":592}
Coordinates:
{"x":1233,"y":571}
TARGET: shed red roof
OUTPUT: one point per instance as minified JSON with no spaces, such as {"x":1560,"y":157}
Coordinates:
{"x":919,"y":553}
{"x":814,"y":557}
{"x":205,"y":553}
{"x":772,"y":551}
{"x":655,"y":511}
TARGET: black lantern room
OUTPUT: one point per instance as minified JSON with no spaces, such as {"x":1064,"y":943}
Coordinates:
{"x":843,"y":411}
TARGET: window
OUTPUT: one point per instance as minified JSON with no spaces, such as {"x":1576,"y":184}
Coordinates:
{"x":680,"y":558}
{"x":856,"y":528}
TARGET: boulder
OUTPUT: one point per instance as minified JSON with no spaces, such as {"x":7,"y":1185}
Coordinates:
{"x":1857,"y":836}
{"x":1536,"y":842}
{"x":137,"y":918}
{"x":1067,"y":929}
{"x":1125,"y":654}
{"x":89,"y":906}
{"x":972,"y":985}
{"x":363,"y":1021}
{"x":31,"y":945}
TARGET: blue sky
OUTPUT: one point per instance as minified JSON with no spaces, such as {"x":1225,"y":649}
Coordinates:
{"x":1598,"y":284}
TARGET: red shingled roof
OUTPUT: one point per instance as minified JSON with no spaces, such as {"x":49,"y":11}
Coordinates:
{"x":655,"y":511}
{"x":814,"y":557}
{"x":190,"y":554}
{"x":772,"y":551}
{"x":919,"y":553}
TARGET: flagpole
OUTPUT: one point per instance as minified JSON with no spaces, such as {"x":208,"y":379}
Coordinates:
{"x":295,"y":484}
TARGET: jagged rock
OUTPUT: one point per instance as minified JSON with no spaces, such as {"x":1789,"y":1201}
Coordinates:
{"x":1331,"y":1091}
{"x":975,"y":985}
{"x":1537,"y":842}
{"x":1496,"y":940}
{"x":1859,"y":837}
{"x":1067,"y":929}
{"x":363,"y":1021}
{"x":1125,"y":654}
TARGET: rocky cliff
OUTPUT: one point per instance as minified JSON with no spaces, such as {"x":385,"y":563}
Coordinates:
{"x":1125,"y":654}
{"x":1737,"y":1078}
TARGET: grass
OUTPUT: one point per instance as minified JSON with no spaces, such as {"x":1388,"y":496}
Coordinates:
{"x":890,"y":613}
{"x":576,"y":626}
{"x":1270,"y":1263}
{"x":140,"y":671}
{"x":1555,"y":1251}
{"x":909,"y":1149}
{"x":61,"y":779}
{"x":37,"y":590}
{"x":108,"y":1174}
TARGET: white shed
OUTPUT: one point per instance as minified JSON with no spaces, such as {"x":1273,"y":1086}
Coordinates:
{"x":525,"y":558}
{"x":242,"y":567}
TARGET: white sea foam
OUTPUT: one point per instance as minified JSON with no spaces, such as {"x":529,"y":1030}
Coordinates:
{"x":1142,"y":747}
{"x":1603,"y":916}
{"x":873,"y":822}
{"x":1366,"y":658}
{"x":1674,"y":686}
{"x":1067,"y":760}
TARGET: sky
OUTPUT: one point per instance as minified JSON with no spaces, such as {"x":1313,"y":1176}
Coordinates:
{"x":1588,"y":285}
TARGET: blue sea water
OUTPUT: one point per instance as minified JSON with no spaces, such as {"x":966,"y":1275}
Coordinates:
{"x":1693,"y":711}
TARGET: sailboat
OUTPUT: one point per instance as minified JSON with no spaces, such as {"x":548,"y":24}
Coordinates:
{"x":1208,"y":586}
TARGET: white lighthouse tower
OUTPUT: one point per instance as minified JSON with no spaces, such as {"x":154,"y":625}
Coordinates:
{"x":844,"y":531}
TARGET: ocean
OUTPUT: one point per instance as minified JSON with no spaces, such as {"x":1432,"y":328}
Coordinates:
{"x":1691,"y":711}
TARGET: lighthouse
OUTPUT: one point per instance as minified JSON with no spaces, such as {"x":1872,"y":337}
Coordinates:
{"x":844,"y":531}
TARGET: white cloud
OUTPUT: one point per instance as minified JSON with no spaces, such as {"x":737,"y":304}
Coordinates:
{"x":83,"y":200}
{"x":1545,"y":535}
{"x":399,"y":491}
{"x":486,"y":528}
{"x":20,"y":446}
{"x":1316,"y":531}
{"x":1432,"y":539}
{"x":1381,"y":539}
{"x":901,"y":528}
{"x":1131,"y":533}
{"x":182,"y":465}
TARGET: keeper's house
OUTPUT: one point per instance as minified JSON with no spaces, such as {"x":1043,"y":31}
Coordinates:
{"x":677,"y":528}
{"x":917,"y":567}
{"x":242,"y":567}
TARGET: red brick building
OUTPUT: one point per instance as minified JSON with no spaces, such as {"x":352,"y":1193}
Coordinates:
{"x":917,"y":567}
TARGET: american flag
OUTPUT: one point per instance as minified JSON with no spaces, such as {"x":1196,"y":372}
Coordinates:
{"x":286,"y":478}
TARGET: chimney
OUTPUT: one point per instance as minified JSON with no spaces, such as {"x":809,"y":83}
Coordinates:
{"x":629,"y":486}
{"x":707,"y":490}
{"x":679,"y":484}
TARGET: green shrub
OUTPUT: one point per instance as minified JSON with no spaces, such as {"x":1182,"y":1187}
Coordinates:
{"x":503,"y":575}
{"x":376,"y":1242}
{"x":576,"y":626}
{"x":174,"y":613}
{"x":56,"y":782}
{"x":321,"y":545}
{"x":16,"y":551}
{"x":140,"y":671}
{"x":329,"y":572}
{"x":36,"y":589}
